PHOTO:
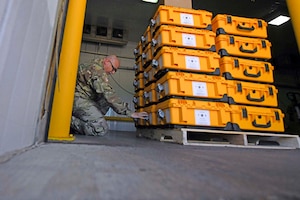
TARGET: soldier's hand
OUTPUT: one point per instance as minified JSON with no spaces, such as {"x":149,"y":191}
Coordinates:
{"x":141,"y":115}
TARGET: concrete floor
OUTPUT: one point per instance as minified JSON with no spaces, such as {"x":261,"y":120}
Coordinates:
{"x":121,"y":166}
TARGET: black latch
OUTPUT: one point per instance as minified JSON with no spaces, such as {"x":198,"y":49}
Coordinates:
{"x":229,"y":19}
{"x":236,"y":63}
{"x":244,"y":113}
{"x":231,"y":40}
{"x":267,"y":68}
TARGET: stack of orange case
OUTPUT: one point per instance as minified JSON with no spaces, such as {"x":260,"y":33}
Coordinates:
{"x":245,"y":52}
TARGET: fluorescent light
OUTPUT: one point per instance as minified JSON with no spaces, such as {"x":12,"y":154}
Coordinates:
{"x":151,"y":1}
{"x":279,"y":20}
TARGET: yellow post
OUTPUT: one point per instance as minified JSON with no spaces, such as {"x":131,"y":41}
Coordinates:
{"x":67,"y":72}
{"x":294,"y":7}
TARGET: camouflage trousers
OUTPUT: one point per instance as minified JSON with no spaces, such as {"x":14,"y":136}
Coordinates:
{"x":87,"y":119}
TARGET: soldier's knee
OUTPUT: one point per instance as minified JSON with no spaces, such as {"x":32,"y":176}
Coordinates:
{"x":96,"y":128}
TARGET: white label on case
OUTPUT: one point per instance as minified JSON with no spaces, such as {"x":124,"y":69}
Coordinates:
{"x":192,"y":62}
{"x":202,"y":117}
{"x":188,"y":39}
{"x":186,"y":19}
{"x":199,"y":89}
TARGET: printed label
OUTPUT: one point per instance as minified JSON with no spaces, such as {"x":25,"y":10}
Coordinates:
{"x":188,"y":39}
{"x":199,"y":89}
{"x":202,"y":117}
{"x":186,"y":19}
{"x":192,"y":62}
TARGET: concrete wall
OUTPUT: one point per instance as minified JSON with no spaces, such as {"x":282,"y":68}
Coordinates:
{"x":26,"y":35}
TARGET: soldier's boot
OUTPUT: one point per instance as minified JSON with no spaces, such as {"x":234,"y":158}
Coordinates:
{"x":76,"y":126}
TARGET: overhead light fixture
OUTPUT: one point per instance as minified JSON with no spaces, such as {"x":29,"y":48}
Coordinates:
{"x":151,"y":1}
{"x":281,"y":19}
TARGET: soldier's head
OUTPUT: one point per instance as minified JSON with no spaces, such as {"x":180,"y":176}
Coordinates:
{"x":111,"y":64}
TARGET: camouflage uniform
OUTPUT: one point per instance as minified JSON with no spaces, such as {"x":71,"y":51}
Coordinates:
{"x":93,"y":98}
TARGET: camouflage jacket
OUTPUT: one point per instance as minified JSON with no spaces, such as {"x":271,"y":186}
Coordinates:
{"x":92,"y":83}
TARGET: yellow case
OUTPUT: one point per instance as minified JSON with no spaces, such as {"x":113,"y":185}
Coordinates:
{"x":191,"y":85}
{"x":183,"y":37}
{"x":150,"y":94}
{"x":138,"y":67}
{"x":138,"y":82}
{"x":152,"y":115}
{"x":149,"y":75}
{"x":187,"y":60}
{"x":138,"y":99}
{"x":246,"y":69}
{"x":146,"y":37}
{"x":193,"y":113}
{"x":137,"y":52}
{"x":147,"y":55}
{"x":257,"y":118}
{"x":243,"y":47}
{"x":242,"y":26}
{"x":249,"y":93}
{"x":181,"y":17}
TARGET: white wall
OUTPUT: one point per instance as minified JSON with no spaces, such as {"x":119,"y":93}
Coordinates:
{"x":26,"y":34}
{"x":124,"y":76}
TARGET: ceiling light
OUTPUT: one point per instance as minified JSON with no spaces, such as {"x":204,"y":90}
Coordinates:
{"x":279,"y":20}
{"x":151,"y":1}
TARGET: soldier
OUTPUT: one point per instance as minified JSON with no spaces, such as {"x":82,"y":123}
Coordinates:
{"x":94,"y":96}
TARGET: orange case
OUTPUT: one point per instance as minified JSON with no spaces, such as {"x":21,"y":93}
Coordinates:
{"x":183,"y":37}
{"x":146,"y":37}
{"x":191,"y":85}
{"x":193,"y":112}
{"x":188,"y":60}
{"x":138,"y":82}
{"x":138,"y":67}
{"x":246,"y":69}
{"x":138,"y":99}
{"x":137,"y":52}
{"x":150,"y":94}
{"x":242,"y":26}
{"x":227,"y":45}
{"x":152,"y":115}
{"x":249,"y":93}
{"x":149,"y":75}
{"x":257,"y":118}
{"x":181,"y":17}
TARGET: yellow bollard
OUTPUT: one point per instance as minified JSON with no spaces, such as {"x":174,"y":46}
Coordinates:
{"x":293,"y":6}
{"x":60,"y":120}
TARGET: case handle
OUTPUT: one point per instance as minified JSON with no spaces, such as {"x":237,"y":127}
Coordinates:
{"x":267,"y":125}
{"x":252,"y":75}
{"x":254,"y":99}
{"x":245,"y":28}
{"x":248,"y":50}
